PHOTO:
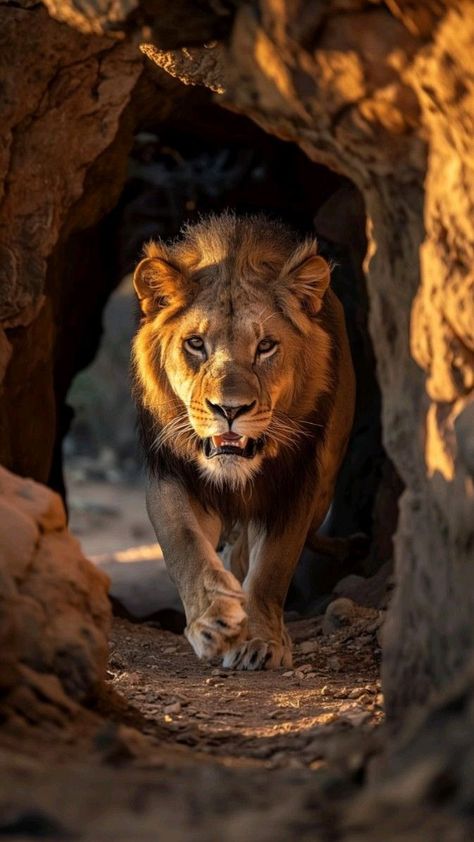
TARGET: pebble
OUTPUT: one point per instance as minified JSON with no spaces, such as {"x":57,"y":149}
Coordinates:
{"x":308,"y":646}
{"x":306,"y":668}
{"x":356,"y":717}
{"x":175,"y":708}
{"x":220,"y":673}
{"x":366,"y":699}
{"x":287,"y":674}
{"x":214,"y":681}
{"x":355,"y":693}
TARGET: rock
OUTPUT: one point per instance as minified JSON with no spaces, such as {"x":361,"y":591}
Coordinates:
{"x":371,"y":592}
{"x":343,"y":96}
{"x":118,"y":744}
{"x":54,"y":610}
{"x":172,"y":709}
{"x":307,"y":647}
{"x":355,"y":693}
{"x":305,"y":668}
{"x":342,"y":613}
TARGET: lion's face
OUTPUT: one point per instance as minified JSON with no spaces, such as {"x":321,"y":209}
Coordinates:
{"x":232,"y":337}
{"x":234,"y":373}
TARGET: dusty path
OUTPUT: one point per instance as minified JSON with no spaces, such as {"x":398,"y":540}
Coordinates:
{"x":272,"y":718}
{"x":179,"y":751}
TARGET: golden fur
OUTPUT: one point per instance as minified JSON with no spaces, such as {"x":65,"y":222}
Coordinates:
{"x":241,"y":336}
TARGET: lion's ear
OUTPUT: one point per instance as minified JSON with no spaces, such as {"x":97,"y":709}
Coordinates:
{"x":157,"y":281}
{"x":307,"y":277}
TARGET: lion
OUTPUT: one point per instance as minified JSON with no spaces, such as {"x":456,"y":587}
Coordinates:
{"x":245,"y":388}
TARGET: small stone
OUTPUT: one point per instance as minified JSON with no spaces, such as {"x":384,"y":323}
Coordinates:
{"x":220,"y":673}
{"x":365,"y":699}
{"x":355,"y":693}
{"x":308,"y":646}
{"x":357,"y":716}
{"x":175,"y":708}
{"x":305,"y":668}
{"x":288,"y":674}
{"x":214,"y":681}
{"x":299,"y":674}
{"x":169,"y":650}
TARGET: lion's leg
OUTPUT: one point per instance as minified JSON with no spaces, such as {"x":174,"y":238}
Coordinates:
{"x":239,"y":557}
{"x":273,"y":559}
{"x":212,"y":597}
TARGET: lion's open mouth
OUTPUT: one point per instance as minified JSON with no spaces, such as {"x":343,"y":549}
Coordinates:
{"x":230,"y":444}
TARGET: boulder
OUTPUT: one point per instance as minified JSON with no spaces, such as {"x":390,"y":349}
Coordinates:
{"x":54,"y":608}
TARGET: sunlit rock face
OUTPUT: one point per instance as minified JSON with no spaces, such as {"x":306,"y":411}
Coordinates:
{"x":54,"y":609}
{"x":385,"y":95}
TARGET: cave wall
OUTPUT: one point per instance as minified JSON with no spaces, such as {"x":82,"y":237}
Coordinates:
{"x":381,"y":92}
{"x":68,"y":119}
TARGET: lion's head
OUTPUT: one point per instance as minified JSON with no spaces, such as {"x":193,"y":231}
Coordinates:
{"x":231,"y":353}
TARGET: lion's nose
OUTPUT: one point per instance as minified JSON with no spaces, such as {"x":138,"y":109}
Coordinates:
{"x":230,"y":413}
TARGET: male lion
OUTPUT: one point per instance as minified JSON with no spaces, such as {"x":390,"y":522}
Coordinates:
{"x":245,"y":388}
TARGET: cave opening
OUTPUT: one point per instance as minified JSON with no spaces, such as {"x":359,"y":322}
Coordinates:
{"x":201,"y":159}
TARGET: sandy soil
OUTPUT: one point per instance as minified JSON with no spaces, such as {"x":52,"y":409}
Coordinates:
{"x":180,"y":751}
{"x":194,"y":747}
{"x":184,"y":751}
{"x":276,"y":719}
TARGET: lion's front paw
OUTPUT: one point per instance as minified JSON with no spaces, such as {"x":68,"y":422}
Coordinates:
{"x":223,"y":623}
{"x":259,"y":654}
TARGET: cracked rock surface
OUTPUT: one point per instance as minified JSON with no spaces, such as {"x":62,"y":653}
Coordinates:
{"x":54,"y":609}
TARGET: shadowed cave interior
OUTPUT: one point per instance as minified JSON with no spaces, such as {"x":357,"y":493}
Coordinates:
{"x":201,"y":160}
{"x":122,"y":121}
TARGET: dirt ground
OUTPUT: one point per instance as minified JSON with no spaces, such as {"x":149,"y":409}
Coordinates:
{"x":275,"y":719}
{"x":177,"y":748}
{"x":183,"y":751}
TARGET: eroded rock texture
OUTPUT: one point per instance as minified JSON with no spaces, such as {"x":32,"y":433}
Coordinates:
{"x":384,"y":93}
{"x":60,"y":112}
{"x":54,"y":609}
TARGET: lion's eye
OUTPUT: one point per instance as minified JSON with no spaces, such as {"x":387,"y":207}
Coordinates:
{"x":266,"y":346}
{"x":194,"y":344}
